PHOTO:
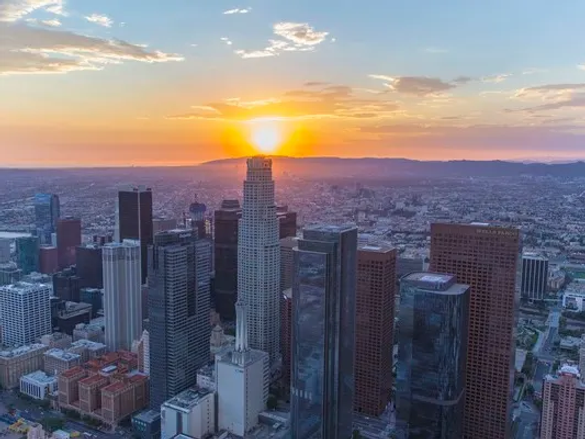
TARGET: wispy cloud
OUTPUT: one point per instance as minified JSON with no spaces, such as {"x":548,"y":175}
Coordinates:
{"x":419,"y":85}
{"x":533,"y":71}
{"x":99,"y":19}
{"x":549,"y":92}
{"x":581,"y":66}
{"x":255,"y":53}
{"x":496,"y":79}
{"x":226,"y":40}
{"x":14,"y":10}
{"x":237,"y":11}
{"x":48,"y":23}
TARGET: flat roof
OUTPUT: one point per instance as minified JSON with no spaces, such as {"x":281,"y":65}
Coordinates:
{"x":376,"y":247}
{"x":335,"y":228}
{"x":60,"y":354}
{"x":39,"y":377}
{"x":148,"y":416}
{"x":436,"y":283}
{"x":22,"y":350}
{"x":187,"y":399}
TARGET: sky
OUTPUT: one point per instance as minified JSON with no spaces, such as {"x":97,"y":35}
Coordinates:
{"x":147,"y":82}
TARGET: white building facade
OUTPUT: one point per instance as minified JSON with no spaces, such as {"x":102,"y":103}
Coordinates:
{"x":38,"y":385}
{"x":259,"y":258}
{"x":191,"y":413}
{"x":25,"y":312}
{"x":122,"y":293}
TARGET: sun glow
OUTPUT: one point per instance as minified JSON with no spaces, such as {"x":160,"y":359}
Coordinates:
{"x":266,"y":135}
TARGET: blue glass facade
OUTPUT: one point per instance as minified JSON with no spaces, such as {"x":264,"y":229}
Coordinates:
{"x":323,"y":340}
{"x":432,"y":351}
{"x":27,"y":254}
{"x":47,"y":212}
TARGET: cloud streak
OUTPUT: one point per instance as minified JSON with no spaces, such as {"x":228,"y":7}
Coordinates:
{"x":419,"y":85}
{"x":100,"y":20}
{"x":14,"y":10}
{"x":237,"y":11}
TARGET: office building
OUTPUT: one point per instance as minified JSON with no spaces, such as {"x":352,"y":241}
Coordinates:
{"x":60,"y":360}
{"x":25,"y":313}
{"x":122,"y":293}
{"x":534,"y":276}
{"x":163,"y":224}
{"x":48,"y":259}
{"x":485,"y":258}
{"x":16,"y":362}
{"x":89,"y":266}
{"x":197,"y":216}
{"x":69,"y":315}
{"x":242,"y":381}
{"x":57,"y":340}
{"x":287,"y":222}
{"x":94,"y":297}
{"x":5,"y":252}
{"x":9,"y":273}
{"x":68,"y":239}
{"x":27,"y":254}
{"x":259,"y":258}
{"x":67,"y":285}
{"x":286,"y":315}
{"x":563,"y":405}
{"x":146,"y":424}
{"x":134,"y":220}
{"x":191,"y":412}
{"x":47,"y":213}
{"x":226,"y":223}
{"x":178,"y":312}
{"x":287,"y":246}
{"x":38,"y":385}
{"x":102,"y":240}
{"x":88,"y":332}
{"x":432,"y":349}
{"x":324,"y":291}
{"x":374,"y":328}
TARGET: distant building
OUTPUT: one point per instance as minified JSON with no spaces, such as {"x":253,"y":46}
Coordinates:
{"x":25,"y":313}
{"x":89,"y":266}
{"x":226,"y":225}
{"x":374,"y":328}
{"x":286,"y":316}
{"x":534,"y":276}
{"x":563,"y":405}
{"x":243,"y":378}
{"x":324,"y":294}
{"x":287,"y":222}
{"x":163,"y":224}
{"x":89,"y":332}
{"x":16,"y":362}
{"x":71,"y":314}
{"x":38,"y":385}
{"x":67,"y":285}
{"x":93,"y":296}
{"x":60,"y":360}
{"x":9,"y":273}
{"x":134,"y":220}
{"x":146,"y":424}
{"x":287,"y":246}
{"x":57,"y":340}
{"x":68,"y":239}
{"x":5,"y":253}
{"x":191,"y":412}
{"x":432,"y":349}
{"x":27,"y":253}
{"x":48,"y":259}
{"x":47,"y":213}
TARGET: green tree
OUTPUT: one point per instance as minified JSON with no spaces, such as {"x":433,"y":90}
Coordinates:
{"x":272,"y":402}
{"x":52,"y":423}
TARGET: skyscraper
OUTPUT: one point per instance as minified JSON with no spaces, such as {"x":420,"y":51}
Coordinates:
{"x":226,"y":223}
{"x":178,"y":311}
{"x":28,"y":253}
{"x":134,"y":220}
{"x":25,"y":313}
{"x":534,"y":276}
{"x":324,"y":289}
{"x":432,"y":349}
{"x":48,"y":259}
{"x":374,"y":327}
{"x":287,"y":222}
{"x":47,"y":212}
{"x":68,"y":239}
{"x":259,"y":258}
{"x":4,"y":250}
{"x":563,"y":408}
{"x":485,"y":258}
{"x":287,"y":246}
{"x":89,"y":265}
{"x":122,"y":294}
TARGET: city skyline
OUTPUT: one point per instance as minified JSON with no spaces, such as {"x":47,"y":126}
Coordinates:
{"x":425,"y":81}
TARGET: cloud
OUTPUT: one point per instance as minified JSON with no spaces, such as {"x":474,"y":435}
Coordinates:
{"x":48,"y":23}
{"x":237,"y":11}
{"x":496,"y":79}
{"x":575,"y":101}
{"x":255,"y":53}
{"x":226,"y":40}
{"x":26,"y":50}
{"x":533,"y":71}
{"x":581,"y":66}
{"x":101,"y":20}
{"x":14,"y":10}
{"x":299,"y":33}
{"x":314,"y":102}
{"x":419,"y":85}
{"x":549,"y":92}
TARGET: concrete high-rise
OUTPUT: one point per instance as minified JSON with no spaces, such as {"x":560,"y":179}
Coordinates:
{"x":226,"y":224}
{"x":178,"y":312}
{"x":534,"y":276}
{"x":47,"y":212}
{"x":374,"y":328}
{"x":134,"y":220}
{"x":68,"y":239}
{"x":28,"y":253}
{"x":563,"y":405}
{"x":485,"y":258}
{"x":259,"y":258}
{"x":25,"y":313}
{"x":122,"y":294}
{"x":432,"y":349}
{"x":324,"y":290}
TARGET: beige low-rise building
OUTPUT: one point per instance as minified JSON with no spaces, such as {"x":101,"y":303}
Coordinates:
{"x":20,"y":361}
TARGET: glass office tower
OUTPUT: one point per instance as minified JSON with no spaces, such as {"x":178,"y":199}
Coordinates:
{"x":432,"y":349}
{"x":47,"y":212}
{"x":324,"y":287}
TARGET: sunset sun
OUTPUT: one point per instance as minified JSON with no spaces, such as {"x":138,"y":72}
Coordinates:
{"x":266,"y":135}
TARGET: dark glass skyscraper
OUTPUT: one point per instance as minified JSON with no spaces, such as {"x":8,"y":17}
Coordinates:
{"x":534,"y":276}
{"x":178,"y":311}
{"x":135,"y":220}
{"x":226,"y":224}
{"x":68,"y":238}
{"x":432,"y":349}
{"x":47,"y":212}
{"x":324,"y":288}
{"x":89,"y":266}
{"x":27,"y":254}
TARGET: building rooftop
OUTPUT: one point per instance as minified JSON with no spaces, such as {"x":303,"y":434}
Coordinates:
{"x":22,"y":350}
{"x":148,"y":416}
{"x":436,"y":283}
{"x":88,"y":344}
{"x":289,"y":242}
{"x":288,"y":293}
{"x":251,"y":356}
{"x":535,"y":256}
{"x":60,"y":354}
{"x":329,"y":228}
{"x":72,"y":372}
{"x":187,"y":399}
{"x":376,"y":248}
{"x":24,"y":287}
{"x":40,"y":377}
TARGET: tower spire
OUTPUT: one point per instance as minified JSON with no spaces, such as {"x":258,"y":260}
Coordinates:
{"x":241,"y":327}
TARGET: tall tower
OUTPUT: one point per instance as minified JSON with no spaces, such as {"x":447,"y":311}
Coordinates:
{"x":68,"y":239}
{"x":259,"y":258}
{"x":47,"y":212}
{"x":134,"y":220}
{"x":432,"y":349}
{"x":534,"y":276}
{"x":485,"y":258}
{"x":178,"y":312}
{"x":122,"y":294}
{"x":27,"y":253}
{"x":324,"y":289}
